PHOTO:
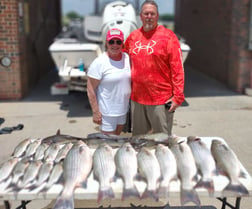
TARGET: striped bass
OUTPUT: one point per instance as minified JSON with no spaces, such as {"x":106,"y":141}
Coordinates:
{"x":104,"y":170}
{"x":63,"y":152}
{"x":168,"y":168}
{"x":40,"y":152}
{"x":30,"y":174}
{"x":187,"y":170}
{"x":229,"y":165}
{"x":51,"y":152}
{"x":149,"y":169}
{"x":54,"y":177}
{"x":32,"y":147}
{"x":43,"y":174}
{"x":126,"y":166}
{"x":77,"y":166}
{"x":19,"y":171}
{"x":6,"y":168}
{"x":21,"y":148}
{"x":204,"y":162}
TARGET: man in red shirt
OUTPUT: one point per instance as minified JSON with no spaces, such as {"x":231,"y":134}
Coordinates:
{"x":157,"y":73}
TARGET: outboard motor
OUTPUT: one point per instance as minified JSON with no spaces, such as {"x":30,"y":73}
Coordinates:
{"x":119,"y":15}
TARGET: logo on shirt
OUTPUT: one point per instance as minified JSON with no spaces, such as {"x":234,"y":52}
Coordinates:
{"x":149,"y":47}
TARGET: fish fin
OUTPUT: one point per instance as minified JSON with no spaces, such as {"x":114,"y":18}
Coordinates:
{"x":163,"y":191}
{"x":8,"y":188}
{"x":207,"y":184}
{"x":181,"y":148}
{"x":225,"y":147}
{"x":195,"y":178}
{"x":132,"y":192}
{"x":32,"y":187}
{"x":114,"y":179}
{"x":117,"y":174}
{"x":95,"y":177}
{"x":243,"y":174}
{"x":58,"y":132}
{"x":220,"y":171}
{"x":200,"y":142}
{"x":175,"y":178}
{"x":160,"y":179}
{"x":138,"y":177}
{"x":64,"y":203}
{"x":84,"y":184}
{"x":40,"y":187}
{"x":150,"y":194}
{"x":189,"y":196}
{"x":104,"y":193}
{"x":14,"y":189}
{"x":215,"y":172}
{"x":61,"y":179}
{"x":238,"y":189}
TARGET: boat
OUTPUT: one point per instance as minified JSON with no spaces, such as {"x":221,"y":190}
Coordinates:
{"x":74,"y":50}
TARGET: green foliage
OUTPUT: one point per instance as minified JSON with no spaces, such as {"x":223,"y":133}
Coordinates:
{"x":167,"y":17}
{"x":73,"y":15}
{"x":67,"y":18}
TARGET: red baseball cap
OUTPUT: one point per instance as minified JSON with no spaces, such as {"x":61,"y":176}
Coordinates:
{"x":115,"y":33}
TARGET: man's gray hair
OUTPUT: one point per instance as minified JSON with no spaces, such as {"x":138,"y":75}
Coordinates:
{"x":152,"y":2}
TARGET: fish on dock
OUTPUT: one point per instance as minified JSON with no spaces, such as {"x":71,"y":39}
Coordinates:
{"x":21,"y":148}
{"x":63,"y":152}
{"x":187,"y":170}
{"x":31,"y":148}
{"x":104,"y":169}
{"x":168,"y":166}
{"x":229,"y":165}
{"x":29,"y":175}
{"x":6,"y":168}
{"x":40,"y":152}
{"x":149,"y":169}
{"x":76,"y":168}
{"x":18,"y":171}
{"x":126,"y":167}
{"x":51,"y":152}
{"x":205,"y":163}
{"x":60,"y":138}
{"x":56,"y":176}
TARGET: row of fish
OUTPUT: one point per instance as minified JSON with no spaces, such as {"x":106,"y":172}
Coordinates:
{"x":37,"y":165}
{"x":33,"y":164}
{"x":156,"y":167}
{"x":18,"y":174}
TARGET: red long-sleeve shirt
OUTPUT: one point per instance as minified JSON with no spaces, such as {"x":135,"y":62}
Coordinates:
{"x":156,"y":66}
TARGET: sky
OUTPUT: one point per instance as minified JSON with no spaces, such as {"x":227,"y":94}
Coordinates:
{"x":85,"y":7}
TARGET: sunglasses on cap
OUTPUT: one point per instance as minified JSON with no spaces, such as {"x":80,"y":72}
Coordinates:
{"x":118,"y":42}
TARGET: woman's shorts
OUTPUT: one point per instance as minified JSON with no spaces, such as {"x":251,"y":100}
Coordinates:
{"x":110,"y":123}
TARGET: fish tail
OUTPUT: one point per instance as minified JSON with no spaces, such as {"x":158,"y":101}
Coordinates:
{"x":32,"y":187}
{"x":207,"y":184}
{"x":236,"y":188}
{"x":131,"y":192}
{"x":163,"y":191}
{"x":38,"y":188}
{"x":150,"y":194}
{"x":14,"y":188}
{"x":105,"y":193}
{"x":189,"y":196}
{"x":64,"y":203}
{"x":10,"y":187}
